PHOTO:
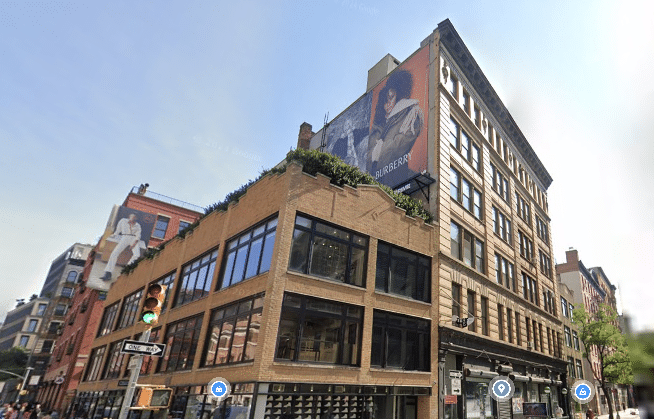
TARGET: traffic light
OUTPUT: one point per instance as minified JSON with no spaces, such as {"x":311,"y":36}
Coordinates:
{"x":154,"y":398}
{"x":154,"y":301}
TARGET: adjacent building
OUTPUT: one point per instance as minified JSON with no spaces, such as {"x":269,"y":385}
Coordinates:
{"x":313,"y":299}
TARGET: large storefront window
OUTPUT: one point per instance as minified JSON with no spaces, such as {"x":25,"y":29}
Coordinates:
{"x":181,"y":344}
{"x":478,"y":402}
{"x":316,"y":330}
{"x":400,"y":342}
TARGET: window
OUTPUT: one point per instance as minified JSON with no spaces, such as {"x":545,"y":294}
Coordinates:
{"x":108,"y":319}
{"x":522,"y":208}
{"x":545,"y":264}
{"x":60,"y":310}
{"x":536,"y":340}
{"x":400,"y":342}
{"x":183,"y":225}
{"x":500,"y":183}
{"x":456,"y":300}
{"x":53,"y":327}
{"x":518,"y":334}
{"x":541,"y":230}
{"x":403,"y":273}
{"x":466,"y":101}
{"x":147,"y":366}
{"x":500,"y":320}
{"x":24,"y":341}
{"x":526,"y":246}
{"x":460,"y":140}
{"x":571,"y":367}
{"x":564,"y":307}
{"x":528,"y":327}
{"x":548,"y":302}
{"x":47,"y":346}
{"x":249,"y":254}
{"x":529,"y":289}
{"x":580,"y":371}
{"x":67,"y":292}
{"x":181,"y":344}
{"x":452,"y":86}
{"x":95,"y":361}
{"x":316,"y":330}
{"x":130,"y":309}
{"x":504,"y":272}
{"x":568,"y":336}
{"x":160,"y":227}
{"x":463,"y":191}
{"x":464,"y":245}
{"x":234,"y":332}
{"x":509,"y":324}
{"x":328,"y":252}
{"x":167,"y":281}
{"x":570,"y":310}
{"x":549,"y":341}
{"x":502,"y":225}
{"x":72,"y":276}
{"x":196,"y":278}
{"x":477,"y":117}
{"x":575,"y":340}
{"x":41,"y":310}
{"x":472,"y":310}
{"x":32,"y":325}
{"x":114,"y":361}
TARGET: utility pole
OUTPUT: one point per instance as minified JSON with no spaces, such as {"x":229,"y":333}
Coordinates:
{"x":133,"y":378}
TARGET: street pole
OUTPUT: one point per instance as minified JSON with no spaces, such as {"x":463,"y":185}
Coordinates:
{"x":133,"y":378}
{"x":27,"y":374}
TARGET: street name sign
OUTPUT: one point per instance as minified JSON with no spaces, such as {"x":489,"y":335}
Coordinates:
{"x":143,"y":348}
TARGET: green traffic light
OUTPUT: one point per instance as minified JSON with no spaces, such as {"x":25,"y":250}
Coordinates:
{"x":149,"y":317}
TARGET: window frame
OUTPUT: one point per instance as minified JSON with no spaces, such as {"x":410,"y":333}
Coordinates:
{"x":174,"y":344}
{"x":471,"y":307}
{"x":129,"y":309}
{"x":205,"y":263}
{"x":500,"y":183}
{"x":160,"y":232}
{"x":502,"y":226}
{"x":523,"y":208}
{"x":384,"y":324}
{"x":108,"y":318}
{"x":458,"y":137}
{"x":473,"y":241}
{"x":421,"y":263}
{"x":114,"y":362}
{"x":473,"y":201}
{"x":94,"y":365}
{"x":506,"y":279}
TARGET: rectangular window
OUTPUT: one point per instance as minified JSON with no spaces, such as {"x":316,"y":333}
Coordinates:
{"x":541,"y":230}
{"x":472,"y":310}
{"x":130,"y":309}
{"x":580,"y":371}
{"x":47,"y":346}
{"x":320,"y":331}
{"x":460,"y":140}
{"x":529,"y":289}
{"x":545,"y":264}
{"x":463,"y":191}
{"x":24,"y":341}
{"x":456,"y":300}
{"x":477,"y":117}
{"x":575,"y":340}
{"x":466,"y":101}
{"x":522,"y":208}
{"x":41,"y":310}
{"x":509,"y":324}
{"x":518,"y":334}
{"x":160,"y":227}
{"x":67,"y":292}
{"x":536,"y":341}
{"x":500,"y":183}
{"x":196,"y":278}
{"x":167,"y":281}
{"x":53,"y":327}
{"x":32,"y":325}
{"x":500,"y":320}
{"x":107,"y":322}
{"x":114,"y":361}
{"x":403,"y":272}
{"x":568,"y":336}
{"x":467,"y":247}
{"x":549,"y":341}
{"x":504,"y":272}
{"x":95,"y":361}
{"x":564,"y":307}
{"x":453,"y":86}
{"x":181,"y":344}
{"x":60,"y":310}
{"x":183,"y":225}
{"x":329,"y":252}
{"x":570,"y":310}
{"x":526,"y":247}
{"x":540,"y":337}
{"x":234,"y":332}
{"x":400,"y":342}
{"x":249,"y":254}
{"x":528,"y":327}
{"x":502,"y":225}
{"x":571,"y":367}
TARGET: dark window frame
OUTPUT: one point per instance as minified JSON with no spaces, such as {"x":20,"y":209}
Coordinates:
{"x":94,"y":366}
{"x":176,"y":341}
{"x":387,"y":323}
{"x":505,"y":273}
{"x":473,"y":200}
{"x":115,"y":361}
{"x":108,"y":318}
{"x":395,"y":256}
{"x":204,"y":264}
{"x":159,"y":230}
{"x":129,"y":310}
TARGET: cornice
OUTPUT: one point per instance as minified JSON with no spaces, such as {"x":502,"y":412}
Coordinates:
{"x":457,"y":48}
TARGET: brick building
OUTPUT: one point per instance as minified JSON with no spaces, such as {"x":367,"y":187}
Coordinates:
{"x":77,"y":317}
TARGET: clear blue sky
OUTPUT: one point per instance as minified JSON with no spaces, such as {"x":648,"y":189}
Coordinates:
{"x":196,"y":98}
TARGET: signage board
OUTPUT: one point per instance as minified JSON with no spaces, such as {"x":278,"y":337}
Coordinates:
{"x":142,"y":348}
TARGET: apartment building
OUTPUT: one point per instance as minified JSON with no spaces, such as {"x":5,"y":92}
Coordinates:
{"x":573,"y":348}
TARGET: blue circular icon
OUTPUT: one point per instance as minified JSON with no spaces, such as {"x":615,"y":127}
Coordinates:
{"x":220,"y":388}
{"x":583,"y":392}
{"x":501,"y":388}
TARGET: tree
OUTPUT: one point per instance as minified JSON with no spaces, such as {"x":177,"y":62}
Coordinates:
{"x":13,"y":360}
{"x":600,"y":335}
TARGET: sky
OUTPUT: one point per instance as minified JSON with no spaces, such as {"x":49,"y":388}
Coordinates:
{"x":196,"y":98}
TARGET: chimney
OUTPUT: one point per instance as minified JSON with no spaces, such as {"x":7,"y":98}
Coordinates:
{"x":305,"y":135}
{"x":572,"y":255}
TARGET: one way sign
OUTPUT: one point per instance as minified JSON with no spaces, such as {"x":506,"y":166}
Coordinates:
{"x":143,"y":348}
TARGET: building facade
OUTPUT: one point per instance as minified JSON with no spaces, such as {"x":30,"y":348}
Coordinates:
{"x":74,"y":323}
{"x":572,"y":349}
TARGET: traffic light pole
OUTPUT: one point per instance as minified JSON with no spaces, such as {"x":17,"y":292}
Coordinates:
{"x":133,"y":378}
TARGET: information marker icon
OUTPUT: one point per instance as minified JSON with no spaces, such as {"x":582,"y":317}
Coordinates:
{"x":220,"y":388}
{"x":582,"y":391}
{"x":501,"y":388}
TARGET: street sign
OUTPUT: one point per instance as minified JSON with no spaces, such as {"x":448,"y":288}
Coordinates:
{"x":143,"y":348}
{"x":462,"y":322}
{"x":456,"y":386}
{"x":456,"y":374}
{"x":59,"y":380}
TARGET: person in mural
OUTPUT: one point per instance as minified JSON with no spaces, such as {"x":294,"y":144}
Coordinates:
{"x":352,"y":147}
{"x":397,"y":122}
{"x":127,"y":234}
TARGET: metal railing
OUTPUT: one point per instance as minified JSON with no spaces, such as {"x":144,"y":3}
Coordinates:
{"x":167,"y":199}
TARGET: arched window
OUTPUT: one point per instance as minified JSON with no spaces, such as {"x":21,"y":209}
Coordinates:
{"x":72,"y":276}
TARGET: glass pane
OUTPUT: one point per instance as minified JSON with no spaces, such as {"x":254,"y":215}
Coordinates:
{"x":377,"y":350}
{"x":394,"y":354}
{"x":253,"y":337}
{"x":332,"y":231}
{"x":266,"y":256}
{"x":351,"y":344}
{"x":466,"y":192}
{"x":253,"y":260}
{"x":302,"y":221}
{"x":455,"y":238}
{"x":299,"y":251}
{"x":272,"y":224}
{"x":245,"y":237}
{"x":259,"y":230}
{"x":358,"y":267}
{"x":238,"y":343}
{"x":328,"y":259}
{"x":467,"y":248}
{"x":224,"y":342}
{"x":320,"y":340}
{"x":229,"y":266}
{"x":213,"y":344}
{"x":403,"y":273}
{"x":286,"y":340}
{"x":454,"y":184}
{"x":383,"y":264}
{"x":239,"y":265}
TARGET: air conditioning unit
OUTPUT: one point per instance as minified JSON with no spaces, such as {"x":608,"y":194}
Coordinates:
{"x":530,"y":345}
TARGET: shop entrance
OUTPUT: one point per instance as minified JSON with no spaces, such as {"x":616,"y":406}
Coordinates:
{"x":395,"y":407}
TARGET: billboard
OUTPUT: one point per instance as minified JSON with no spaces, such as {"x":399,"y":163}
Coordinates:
{"x":125,"y":239}
{"x":384,"y":133}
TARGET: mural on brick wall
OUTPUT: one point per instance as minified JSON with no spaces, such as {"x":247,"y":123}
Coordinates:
{"x":384,"y":133}
{"x":125,"y":240}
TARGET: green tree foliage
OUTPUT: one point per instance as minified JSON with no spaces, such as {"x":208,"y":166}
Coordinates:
{"x":600,"y":335}
{"x":14,"y":360}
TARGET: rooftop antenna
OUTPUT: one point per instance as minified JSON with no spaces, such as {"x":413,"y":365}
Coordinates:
{"x":323,"y":144}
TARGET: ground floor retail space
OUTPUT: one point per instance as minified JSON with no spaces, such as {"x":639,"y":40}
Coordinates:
{"x":270,"y":401}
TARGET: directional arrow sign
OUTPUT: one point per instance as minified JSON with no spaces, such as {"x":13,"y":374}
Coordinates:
{"x":143,"y":348}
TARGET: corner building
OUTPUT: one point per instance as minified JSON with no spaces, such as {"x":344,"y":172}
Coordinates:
{"x":292,"y":296}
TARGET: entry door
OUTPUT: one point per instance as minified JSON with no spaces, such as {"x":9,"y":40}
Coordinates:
{"x":406,"y":407}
